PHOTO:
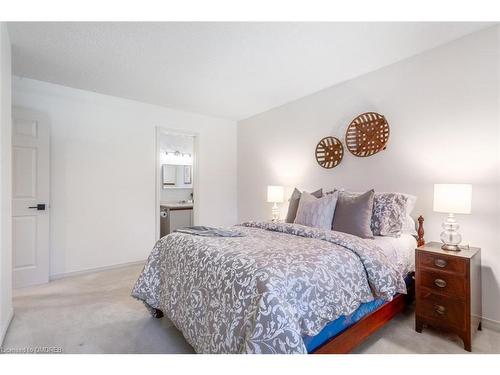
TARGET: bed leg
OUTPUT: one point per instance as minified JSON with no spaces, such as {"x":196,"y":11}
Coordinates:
{"x":410,"y":296}
{"x":157,"y":314}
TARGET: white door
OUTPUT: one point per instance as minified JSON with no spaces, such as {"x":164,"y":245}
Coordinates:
{"x":30,"y":198}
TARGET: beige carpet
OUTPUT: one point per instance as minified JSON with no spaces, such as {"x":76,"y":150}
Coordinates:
{"x":95,"y":314}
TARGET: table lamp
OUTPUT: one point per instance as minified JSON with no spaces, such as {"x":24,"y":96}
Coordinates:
{"x":452,"y":199}
{"x":275,"y":195}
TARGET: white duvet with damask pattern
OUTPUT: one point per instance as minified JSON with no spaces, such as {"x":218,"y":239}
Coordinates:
{"x":262,"y":292}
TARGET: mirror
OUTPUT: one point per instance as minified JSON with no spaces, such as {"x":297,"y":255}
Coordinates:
{"x":177,"y":176}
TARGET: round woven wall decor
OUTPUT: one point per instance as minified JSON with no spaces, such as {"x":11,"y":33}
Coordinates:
{"x":329,"y":152}
{"x":367,"y":134}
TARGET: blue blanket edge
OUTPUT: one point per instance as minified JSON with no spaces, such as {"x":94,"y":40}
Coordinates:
{"x":340,"y":324}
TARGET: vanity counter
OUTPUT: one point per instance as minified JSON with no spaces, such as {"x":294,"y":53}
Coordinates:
{"x":176,"y":206}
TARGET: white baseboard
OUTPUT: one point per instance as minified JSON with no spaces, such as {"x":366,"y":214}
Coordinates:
{"x":92,"y":270}
{"x":3,"y":330}
{"x":494,"y":325}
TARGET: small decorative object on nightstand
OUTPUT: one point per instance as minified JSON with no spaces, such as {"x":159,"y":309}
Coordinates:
{"x":275,"y":195}
{"x":448,"y":290}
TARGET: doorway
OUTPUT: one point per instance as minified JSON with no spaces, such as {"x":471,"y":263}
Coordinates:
{"x":30,"y":198}
{"x":176,"y":180}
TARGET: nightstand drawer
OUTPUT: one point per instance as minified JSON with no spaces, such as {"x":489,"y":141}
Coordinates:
{"x":441,"y":282}
{"x":440,"y":262}
{"x":444,"y":310}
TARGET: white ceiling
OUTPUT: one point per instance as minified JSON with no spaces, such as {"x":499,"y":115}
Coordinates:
{"x":232,"y":70}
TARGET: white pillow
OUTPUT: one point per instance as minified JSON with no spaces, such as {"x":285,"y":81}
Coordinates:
{"x":316,"y":212}
{"x":409,"y":224}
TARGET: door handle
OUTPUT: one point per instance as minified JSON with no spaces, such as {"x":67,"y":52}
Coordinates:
{"x":441,"y":263}
{"x":39,"y":207}
{"x":439,"y":309}
{"x":440,"y":283}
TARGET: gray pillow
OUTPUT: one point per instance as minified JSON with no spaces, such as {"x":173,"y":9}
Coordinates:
{"x":316,"y":212}
{"x":294,"y":203}
{"x":353,"y":214}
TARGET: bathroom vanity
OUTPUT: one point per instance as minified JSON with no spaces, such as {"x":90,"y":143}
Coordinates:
{"x":174,"y":216}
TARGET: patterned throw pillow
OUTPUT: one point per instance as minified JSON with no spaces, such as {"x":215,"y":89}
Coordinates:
{"x":389,"y":214}
{"x":316,"y":212}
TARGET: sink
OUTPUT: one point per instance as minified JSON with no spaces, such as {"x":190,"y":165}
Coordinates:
{"x":173,"y":205}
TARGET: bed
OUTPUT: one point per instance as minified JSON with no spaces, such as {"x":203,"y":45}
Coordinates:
{"x":277,"y":288}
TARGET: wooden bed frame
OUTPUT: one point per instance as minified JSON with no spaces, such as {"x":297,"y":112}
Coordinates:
{"x":350,"y":338}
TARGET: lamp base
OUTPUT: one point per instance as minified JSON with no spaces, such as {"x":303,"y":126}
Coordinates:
{"x":450,"y":237}
{"x":450,"y":247}
{"x":276,"y":213}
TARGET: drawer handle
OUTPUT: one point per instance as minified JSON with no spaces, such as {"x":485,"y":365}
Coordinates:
{"x":441,"y":310}
{"x":440,"y":283}
{"x":441,"y":263}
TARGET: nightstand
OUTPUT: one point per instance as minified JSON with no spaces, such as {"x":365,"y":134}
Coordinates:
{"x":448,"y":290}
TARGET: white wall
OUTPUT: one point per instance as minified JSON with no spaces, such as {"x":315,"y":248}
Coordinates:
{"x":103,"y":172}
{"x":442,"y":107}
{"x":5,"y":183}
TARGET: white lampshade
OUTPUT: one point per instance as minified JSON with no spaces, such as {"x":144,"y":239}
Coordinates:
{"x":275,"y":194}
{"x":453,"y":198}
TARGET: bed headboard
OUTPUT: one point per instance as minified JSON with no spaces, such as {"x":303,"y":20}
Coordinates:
{"x":420,"y":231}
